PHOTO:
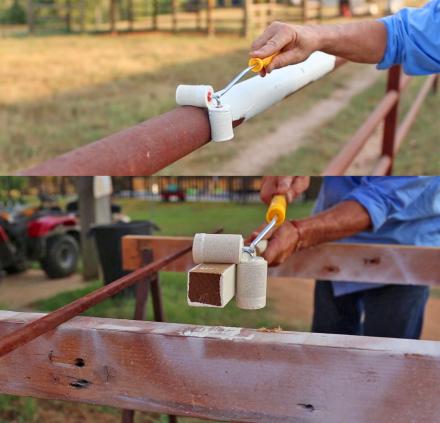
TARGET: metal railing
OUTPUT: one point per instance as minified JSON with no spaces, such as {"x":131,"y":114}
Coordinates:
{"x":151,"y":146}
{"x":393,"y":134}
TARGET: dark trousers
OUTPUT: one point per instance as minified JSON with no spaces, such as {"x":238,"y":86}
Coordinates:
{"x":393,"y":311}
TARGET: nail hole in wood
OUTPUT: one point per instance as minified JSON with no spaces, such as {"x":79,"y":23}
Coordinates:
{"x":79,"y":362}
{"x":80,"y":384}
{"x":374,"y":260}
{"x":331,"y":269}
{"x":308,"y":407}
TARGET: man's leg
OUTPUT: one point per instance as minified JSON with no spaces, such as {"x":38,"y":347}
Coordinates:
{"x":395,"y":311}
{"x":332,"y":314}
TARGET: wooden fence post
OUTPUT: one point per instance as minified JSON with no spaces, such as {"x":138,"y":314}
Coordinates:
{"x":248,"y":14}
{"x":390,"y":125}
{"x":155,"y":15}
{"x":130,"y":15}
{"x":31,"y":16}
{"x":175,"y":11}
{"x":68,"y":15}
{"x":113,"y":16}
{"x":82,"y":16}
{"x":210,"y":27}
{"x":305,"y":11}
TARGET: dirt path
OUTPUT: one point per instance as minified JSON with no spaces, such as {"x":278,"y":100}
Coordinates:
{"x":292,"y":301}
{"x":18,"y":291}
{"x":257,"y":157}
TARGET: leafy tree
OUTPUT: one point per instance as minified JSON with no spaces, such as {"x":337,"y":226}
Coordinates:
{"x":14,"y":14}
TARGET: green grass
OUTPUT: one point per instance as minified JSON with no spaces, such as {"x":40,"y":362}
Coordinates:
{"x":416,"y":157}
{"x":15,"y":409}
{"x":185,"y":219}
{"x":176,"y":307}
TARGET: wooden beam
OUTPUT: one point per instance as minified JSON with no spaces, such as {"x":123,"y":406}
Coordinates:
{"x":226,"y":373}
{"x":380,"y":263}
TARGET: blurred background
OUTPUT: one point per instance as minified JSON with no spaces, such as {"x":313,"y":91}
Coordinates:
{"x":60,"y":239}
{"x":73,"y":71}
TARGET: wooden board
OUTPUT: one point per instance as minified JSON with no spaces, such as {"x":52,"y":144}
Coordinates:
{"x":380,"y":263}
{"x":162,"y":246}
{"x":226,"y":373}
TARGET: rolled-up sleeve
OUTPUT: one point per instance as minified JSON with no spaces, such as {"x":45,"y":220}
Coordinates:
{"x":413,"y":40}
{"x":383,"y":197}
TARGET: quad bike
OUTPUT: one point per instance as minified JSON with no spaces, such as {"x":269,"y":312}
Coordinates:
{"x":46,"y":234}
{"x":52,"y":240}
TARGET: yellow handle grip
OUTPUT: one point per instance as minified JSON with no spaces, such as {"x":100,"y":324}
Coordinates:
{"x":277,"y":209}
{"x":258,"y":64}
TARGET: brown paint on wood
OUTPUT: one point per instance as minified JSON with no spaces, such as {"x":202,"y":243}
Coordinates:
{"x":380,"y":263}
{"x":204,"y":288}
{"x":226,"y":373}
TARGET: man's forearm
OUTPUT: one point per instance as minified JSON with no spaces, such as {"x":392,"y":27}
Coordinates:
{"x":341,"y":221}
{"x":362,"y":42}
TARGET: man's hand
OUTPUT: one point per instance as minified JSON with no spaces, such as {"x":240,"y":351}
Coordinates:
{"x":283,"y":241}
{"x":290,"y":186}
{"x":294,"y":43}
{"x":362,"y":42}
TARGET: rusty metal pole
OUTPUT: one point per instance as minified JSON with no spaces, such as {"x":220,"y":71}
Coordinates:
{"x":390,"y":125}
{"x":49,"y":322}
{"x":146,"y":148}
{"x":39,"y":327}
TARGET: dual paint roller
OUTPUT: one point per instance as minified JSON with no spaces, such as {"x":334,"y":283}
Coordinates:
{"x":226,"y":265}
{"x":220,"y":115}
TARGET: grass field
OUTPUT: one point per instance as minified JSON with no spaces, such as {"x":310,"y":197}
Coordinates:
{"x":417,"y":156}
{"x":173,"y":219}
{"x":61,"y":92}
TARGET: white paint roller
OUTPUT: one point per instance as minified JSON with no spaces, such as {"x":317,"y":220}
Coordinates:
{"x":220,"y":118}
{"x":217,"y":248}
{"x":251,"y":284}
{"x":194,"y":95}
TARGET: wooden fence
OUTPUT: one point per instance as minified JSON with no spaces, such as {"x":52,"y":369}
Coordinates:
{"x":225,"y":373}
{"x":245,"y":17}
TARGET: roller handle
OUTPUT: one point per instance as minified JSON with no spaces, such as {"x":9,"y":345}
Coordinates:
{"x":277,"y":209}
{"x":258,"y":64}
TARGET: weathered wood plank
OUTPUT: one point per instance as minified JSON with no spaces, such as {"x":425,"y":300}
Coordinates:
{"x":132,"y":246}
{"x":226,"y":373}
{"x":394,"y":264}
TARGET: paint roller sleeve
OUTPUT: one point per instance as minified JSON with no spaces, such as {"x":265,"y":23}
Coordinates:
{"x":194,"y":95}
{"x":251,"y":285}
{"x":217,"y":248}
{"x":220,"y":119}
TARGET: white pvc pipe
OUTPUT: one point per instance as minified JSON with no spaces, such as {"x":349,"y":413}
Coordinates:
{"x":254,"y":95}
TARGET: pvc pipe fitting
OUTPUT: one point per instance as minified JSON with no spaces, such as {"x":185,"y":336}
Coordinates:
{"x":220,"y":118}
{"x":194,"y":95}
{"x":217,"y":248}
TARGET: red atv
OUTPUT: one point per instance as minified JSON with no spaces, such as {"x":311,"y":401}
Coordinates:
{"x":52,"y":238}
{"x":54,"y":241}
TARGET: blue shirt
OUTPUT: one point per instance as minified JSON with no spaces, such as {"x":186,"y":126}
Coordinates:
{"x":414,"y":40}
{"x":403,"y":210}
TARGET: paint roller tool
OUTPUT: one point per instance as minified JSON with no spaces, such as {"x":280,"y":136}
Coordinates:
{"x":275,"y":216}
{"x":255,"y":65}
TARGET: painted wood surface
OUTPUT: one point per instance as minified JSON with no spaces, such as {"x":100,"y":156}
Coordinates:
{"x":226,"y":373}
{"x":380,"y":263}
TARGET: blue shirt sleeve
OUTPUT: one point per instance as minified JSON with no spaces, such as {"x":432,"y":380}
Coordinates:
{"x":413,"y":40}
{"x":386,"y":196}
